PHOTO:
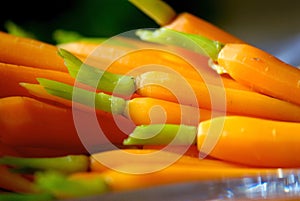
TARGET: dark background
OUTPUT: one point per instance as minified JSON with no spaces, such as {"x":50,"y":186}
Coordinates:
{"x":271,"y":25}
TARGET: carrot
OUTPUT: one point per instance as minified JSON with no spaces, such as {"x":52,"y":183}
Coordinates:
{"x":145,"y":110}
{"x":15,"y":182}
{"x":12,"y":75}
{"x":176,"y":173}
{"x":246,"y":64}
{"x":113,"y":159}
{"x":29,"y":52}
{"x":190,"y":151}
{"x":157,"y":85}
{"x":28,"y":122}
{"x":253,"y":141}
{"x":186,"y":22}
{"x":261,"y":71}
{"x":189,"y":23}
{"x":139,"y":110}
{"x":135,"y":62}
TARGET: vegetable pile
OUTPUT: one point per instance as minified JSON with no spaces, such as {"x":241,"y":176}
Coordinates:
{"x":229,"y":110}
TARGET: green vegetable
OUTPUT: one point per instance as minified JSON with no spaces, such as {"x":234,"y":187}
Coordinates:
{"x":66,"y":164}
{"x":102,"y":80}
{"x":63,"y":36}
{"x":26,"y":197}
{"x":101,"y":101}
{"x":197,"y":43}
{"x":61,"y":186}
{"x":17,"y":30}
{"x":162,"y":134}
{"x":157,"y":10}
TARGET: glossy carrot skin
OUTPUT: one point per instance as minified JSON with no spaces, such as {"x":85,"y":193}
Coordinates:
{"x":185,"y":169}
{"x":258,"y":105}
{"x":146,"y":110}
{"x":29,"y":52}
{"x":261,"y":71}
{"x":27,"y":122}
{"x":189,"y":23}
{"x":12,"y":75}
{"x":135,"y":62}
{"x":254,"y":141}
{"x":117,"y":158}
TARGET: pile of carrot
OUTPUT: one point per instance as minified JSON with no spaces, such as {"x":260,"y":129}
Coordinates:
{"x":252,"y":129}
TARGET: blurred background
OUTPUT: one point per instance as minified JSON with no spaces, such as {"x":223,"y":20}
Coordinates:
{"x":271,"y":25}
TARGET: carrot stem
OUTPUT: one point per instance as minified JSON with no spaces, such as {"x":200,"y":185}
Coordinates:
{"x":162,"y":134}
{"x":157,"y":10}
{"x":66,"y":164}
{"x":102,"y":80}
{"x":61,"y":186}
{"x":140,"y":110}
{"x":102,"y":101}
{"x":197,"y":43}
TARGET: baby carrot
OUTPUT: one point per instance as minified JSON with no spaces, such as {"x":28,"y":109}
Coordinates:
{"x":29,"y":52}
{"x":140,"y":110}
{"x":27,"y":122}
{"x":247,"y":64}
{"x":254,"y":141}
{"x":119,"y":157}
{"x":12,"y":75}
{"x":189,"y":23}
{"x":175,"y":173}
{"x":186,"y":22}
{"x":155,"y":85}
{"x":261,"y":71}
{"x":159,"y":60}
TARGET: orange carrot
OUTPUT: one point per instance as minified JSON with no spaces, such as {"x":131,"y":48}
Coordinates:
{"x":261,"y":71}
{"x":135,"y":62}
{"x":139,"y":110}
{"x":189,"y":23}
{"x":145,"y":110}
{"x":254,"y":141}
{"x":118,"y":181}
{"x":155,"y":84}
{"x":15,"y":182}
{"x":191,"y":151}
{"x":184,"y":170}
{"x":29,"y":52}
{"x":12,"y":75}
{"x":117,"y":158}
{"x":31,"y":123}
